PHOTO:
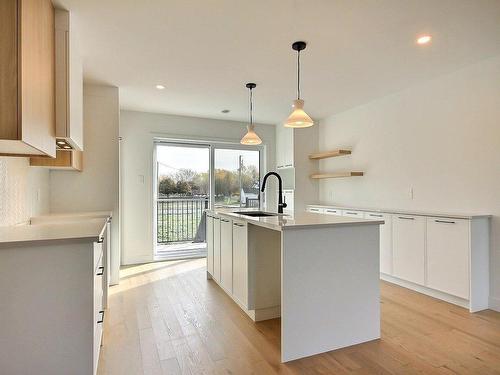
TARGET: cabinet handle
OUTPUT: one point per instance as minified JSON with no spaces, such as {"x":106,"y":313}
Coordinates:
{"x":100,"y":240}
{"x":334,"y":211}
{"x":352,"y":213}
{"x":373,"y":215}
{"x":239,"y":225}
{"x":288,"y":165}
{"x":101,"y":272}
{"x":224,"y":220}
{"x":406,"y":218}
{"x":444,"y":221}
{"x":102,"y":316}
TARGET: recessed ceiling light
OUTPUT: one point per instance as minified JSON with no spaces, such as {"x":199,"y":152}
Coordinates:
{"x":160,"y":87}
{"x":424,"y":39}
{"x":226,"y":111}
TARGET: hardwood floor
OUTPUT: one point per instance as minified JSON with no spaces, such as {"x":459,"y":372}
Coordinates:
{"x":167,"y":318}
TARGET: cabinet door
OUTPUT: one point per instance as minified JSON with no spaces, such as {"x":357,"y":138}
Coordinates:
{"x":240,"y":263}
{"x":226,"y":254}
{"x":448,"y":255}
{"x":210,"y":245}
{"x":385,"y":240}
{"x":216,"y":274}
{"x":280,"y":152}
{"x":288,"y":147}
{"x":409,"y":248}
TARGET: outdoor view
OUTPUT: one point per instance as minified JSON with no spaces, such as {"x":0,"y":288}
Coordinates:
{"x":183,"y":189}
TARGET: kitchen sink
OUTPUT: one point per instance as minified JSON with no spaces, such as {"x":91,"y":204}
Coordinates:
{"x":256,"y":213}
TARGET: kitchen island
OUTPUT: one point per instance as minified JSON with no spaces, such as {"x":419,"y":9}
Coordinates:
{"x":319,"y":273}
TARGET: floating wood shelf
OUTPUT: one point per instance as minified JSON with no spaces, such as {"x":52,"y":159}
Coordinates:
{"x":336,"y":175}
{"x":329,"y":154}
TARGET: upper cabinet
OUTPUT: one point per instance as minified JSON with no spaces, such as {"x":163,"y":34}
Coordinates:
{"x":69,"y":84}
{"x":284,"y":147}
{"x":27,"y":83}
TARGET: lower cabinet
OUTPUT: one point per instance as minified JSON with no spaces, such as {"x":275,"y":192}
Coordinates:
{"x":385,"y":240}
{"x":240,"y":263}
{"x":216,"y":247}
{"x":448,"y":256}
{"x":210,"y":244}
{"x":226,"y":254}
{"x":409,"y":248}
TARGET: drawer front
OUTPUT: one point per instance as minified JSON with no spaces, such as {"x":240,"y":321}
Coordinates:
{"x":353,"y":213}
{"x":448,"y":255}
{"x":313,"y":209}
{"x":333,"y":211}
{"x":97,"y":253}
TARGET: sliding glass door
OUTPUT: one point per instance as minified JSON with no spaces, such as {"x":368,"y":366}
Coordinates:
{"x":191,"y":177}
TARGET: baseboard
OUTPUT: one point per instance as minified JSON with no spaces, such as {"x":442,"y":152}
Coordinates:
{"x":427,"y":291}
{"x":264,"y":314}
{"x":495,"y":303}
{"x":127,"y":261}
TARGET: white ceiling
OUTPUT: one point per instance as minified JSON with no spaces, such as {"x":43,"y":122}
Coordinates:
{"x":204,"y":51}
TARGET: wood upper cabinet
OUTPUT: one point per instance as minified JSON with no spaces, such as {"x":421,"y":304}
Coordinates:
{"x":69,"y":83}
{"x":27,"y":78}
{"x":64,"y":160}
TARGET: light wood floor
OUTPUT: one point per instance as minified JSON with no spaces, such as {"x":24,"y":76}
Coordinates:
{"x":166,"y":318}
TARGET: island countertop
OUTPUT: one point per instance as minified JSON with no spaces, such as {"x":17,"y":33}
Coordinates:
{"x":296,"y":220}
{"x":85,"y":228}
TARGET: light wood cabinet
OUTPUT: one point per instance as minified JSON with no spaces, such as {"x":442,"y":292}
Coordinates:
{"x":216,"y":274}
{"x":409,"y":248}
{"x":226,"y":254}
{"x":64,"y":160}
{"x":240,"y":263}
{"x":27,"y":76}
{"x":210,"y":244}
{"x":448,"y":256}
{"x":69,"y":83}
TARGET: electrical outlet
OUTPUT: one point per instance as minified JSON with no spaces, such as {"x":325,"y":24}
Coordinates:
{"x":410,"y":192}
{"x":330,"y":195}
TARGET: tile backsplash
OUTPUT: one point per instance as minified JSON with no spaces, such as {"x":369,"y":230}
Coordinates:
{"x":24,"y":191}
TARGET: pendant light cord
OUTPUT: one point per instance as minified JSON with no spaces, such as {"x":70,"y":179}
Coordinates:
{"x":298,"y":74}
{"x":251,"y":107}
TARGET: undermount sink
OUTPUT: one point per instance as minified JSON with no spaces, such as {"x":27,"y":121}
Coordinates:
{"x":256,"y":213}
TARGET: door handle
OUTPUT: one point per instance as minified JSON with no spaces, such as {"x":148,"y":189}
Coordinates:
{"x":445,"y":221}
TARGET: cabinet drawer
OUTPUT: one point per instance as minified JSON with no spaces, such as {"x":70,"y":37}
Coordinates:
{"x":448,"y":255}
{"x":409,"y":248}
{"x":353,"y":213}
{"x":319,"y":210}
{"x":333,"y":211}
{"x":97,"y":253}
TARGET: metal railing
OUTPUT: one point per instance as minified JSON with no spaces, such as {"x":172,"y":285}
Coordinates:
{"x":180,"y":219}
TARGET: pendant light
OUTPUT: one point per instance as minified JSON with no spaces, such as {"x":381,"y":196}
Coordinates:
{"x":298,"y":118}
{"x":251,"y":138}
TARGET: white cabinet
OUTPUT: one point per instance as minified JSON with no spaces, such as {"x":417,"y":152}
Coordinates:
{"x":210,"y":244}
{"x":69,"y":83}
{"x":226,"y":254}
{"x":333,"y":211}
{"x":240,"y":263}
{"x":284,"y":147}
{"x":216,"y":246}
{"x":448,"y":255}
{"x":385,"y":240}
{"x":353,"y":213}
{"x":409,"y":248}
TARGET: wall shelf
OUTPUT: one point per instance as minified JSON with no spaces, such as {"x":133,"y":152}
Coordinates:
{"x":329,"y":154}
{"x":336,"y":175}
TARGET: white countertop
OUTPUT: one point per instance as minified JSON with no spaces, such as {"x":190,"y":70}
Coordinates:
{"x":403,"y":212}
{"x":296,"y":220}
{"x":78,"y":226}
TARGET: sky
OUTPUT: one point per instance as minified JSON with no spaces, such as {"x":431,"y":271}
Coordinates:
{"x":173,"y":158}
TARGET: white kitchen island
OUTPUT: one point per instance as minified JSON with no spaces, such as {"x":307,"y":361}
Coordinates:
{"x":319,"y":273}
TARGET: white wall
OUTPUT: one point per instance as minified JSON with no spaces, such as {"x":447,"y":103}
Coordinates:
{"x":138,"y":130}
{"x":96,"y":188}
{"x":441,"y":138}
{"x":24,"y":190}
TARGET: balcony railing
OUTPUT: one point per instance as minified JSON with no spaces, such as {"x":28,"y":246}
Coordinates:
{"x":180,"y":219}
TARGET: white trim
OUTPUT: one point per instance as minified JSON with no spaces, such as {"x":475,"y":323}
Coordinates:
{"x":427,"y":291}
{"x":495,"y":303}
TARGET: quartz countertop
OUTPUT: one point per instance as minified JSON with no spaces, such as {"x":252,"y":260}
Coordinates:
{"x":294,"y":221}
{"x":78,"y":226}
{"x":402,"y":212}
